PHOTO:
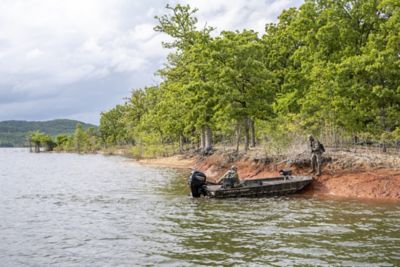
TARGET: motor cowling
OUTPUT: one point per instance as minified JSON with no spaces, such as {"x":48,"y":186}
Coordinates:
{"x":197,"y":184}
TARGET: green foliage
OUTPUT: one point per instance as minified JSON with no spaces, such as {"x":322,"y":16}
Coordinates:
{"x":113,"y":130}
{"x":62,"y":141}
{"x":81,"y":141}
{"x":39,"y":139}
{"x":328,"y":67}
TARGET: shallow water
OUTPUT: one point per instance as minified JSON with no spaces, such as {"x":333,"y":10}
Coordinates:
{"x":92,"y":210}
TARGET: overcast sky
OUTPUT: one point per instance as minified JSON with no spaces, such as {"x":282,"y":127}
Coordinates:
{"x":76,"y":58}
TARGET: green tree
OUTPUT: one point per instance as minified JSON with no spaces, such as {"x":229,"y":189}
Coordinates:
{"x":79,"y":138}
{"x":113,"y":127}
{"x":186,"y":75}
{"x":246,"y":86}
{"x":39,"y":139}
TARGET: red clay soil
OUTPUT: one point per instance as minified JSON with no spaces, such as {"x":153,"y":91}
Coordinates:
{"x":373,"y":184}
{"x":382,"y":184}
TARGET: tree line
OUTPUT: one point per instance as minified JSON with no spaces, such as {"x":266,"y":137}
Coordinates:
{"x":14,"y":133}
{"x":329,"y":67}
{"x":81,"y":141}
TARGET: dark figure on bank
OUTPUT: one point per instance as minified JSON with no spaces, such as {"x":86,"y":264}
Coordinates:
{"x":316,"y":154}
{"x":230,"y":178}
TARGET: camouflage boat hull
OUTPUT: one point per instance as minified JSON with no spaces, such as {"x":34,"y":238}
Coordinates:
{"x":265,"y":187}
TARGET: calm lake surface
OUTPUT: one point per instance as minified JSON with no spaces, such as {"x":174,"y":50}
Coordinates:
{"x":92,"y":210}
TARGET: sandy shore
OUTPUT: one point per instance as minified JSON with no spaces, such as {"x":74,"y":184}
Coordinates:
{"x":171,"y":162}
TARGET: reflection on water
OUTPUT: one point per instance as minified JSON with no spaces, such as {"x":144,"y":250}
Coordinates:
{"x":91,"y":210}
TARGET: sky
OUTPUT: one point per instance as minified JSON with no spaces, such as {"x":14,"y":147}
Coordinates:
{"x":75,"y":59}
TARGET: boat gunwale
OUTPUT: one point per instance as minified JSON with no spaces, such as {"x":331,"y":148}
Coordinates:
{"x":266,"y":182}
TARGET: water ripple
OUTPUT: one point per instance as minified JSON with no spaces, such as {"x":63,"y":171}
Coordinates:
{"x":89,"y":210}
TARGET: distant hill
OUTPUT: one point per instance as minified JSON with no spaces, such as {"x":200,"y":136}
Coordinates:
{"x":13,"y":133}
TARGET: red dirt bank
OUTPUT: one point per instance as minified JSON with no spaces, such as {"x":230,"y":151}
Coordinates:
{"x":375,"y":184}
{"x":348,"y":175}
{"x":352,"y":181}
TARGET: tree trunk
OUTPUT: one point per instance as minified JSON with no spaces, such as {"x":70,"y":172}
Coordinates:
{"x":208,"y":137}
{"x":354,"y":141}
{"x":238,"y":133}
{"x":246,"y":134}
{"x":202,"y":139}
{"x":180,"y":143}
{"x":252,"y":133}
{"x":383,"y":123}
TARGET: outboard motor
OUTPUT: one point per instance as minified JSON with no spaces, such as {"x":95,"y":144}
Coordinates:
{"x":197,"y":184}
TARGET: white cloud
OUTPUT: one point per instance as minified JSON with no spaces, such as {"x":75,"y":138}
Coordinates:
{"x":143,"y":32}
{"x":34,"y":53}
{"x":65,"y":41}
{"x":49,"y":46}
{"x":239,"y":14}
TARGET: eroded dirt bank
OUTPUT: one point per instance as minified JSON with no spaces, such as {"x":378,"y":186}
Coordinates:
{"x":344,"y":174}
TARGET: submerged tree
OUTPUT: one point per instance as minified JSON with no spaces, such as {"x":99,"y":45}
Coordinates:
{"x":41,"y":140}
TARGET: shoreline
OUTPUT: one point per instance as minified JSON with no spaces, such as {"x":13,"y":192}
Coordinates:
{"x":169,"y":162}
{"x":364,"y":184}
{"x":339,"y":180}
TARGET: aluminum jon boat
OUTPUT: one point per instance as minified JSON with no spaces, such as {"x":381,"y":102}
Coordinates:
{"x":262,"y":187}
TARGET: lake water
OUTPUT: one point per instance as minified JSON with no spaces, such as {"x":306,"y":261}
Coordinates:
{"x":92,"y":210}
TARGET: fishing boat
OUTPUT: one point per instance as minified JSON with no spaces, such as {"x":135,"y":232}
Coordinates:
{"x":261,"y":187}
